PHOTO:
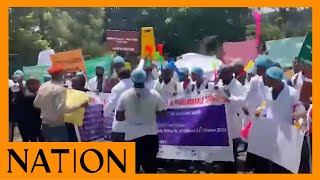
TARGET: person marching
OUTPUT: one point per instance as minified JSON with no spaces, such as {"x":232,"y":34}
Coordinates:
{"x":51,"y":99}
{"x":283,"y":103}
{"x":118,"y":128}
{"x":138,"y":108}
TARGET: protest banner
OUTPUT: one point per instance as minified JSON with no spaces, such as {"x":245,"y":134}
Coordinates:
{"x":72,"y":61}
{"x":194,"y":129}
{"x":95,"y":126}
{"x":123,"y":41}
{"x":279,"y":143}
{"x":284,"y":51}
{"x":245,"y":50}
{"x":91,"y":65}
{"x":35,"y":72}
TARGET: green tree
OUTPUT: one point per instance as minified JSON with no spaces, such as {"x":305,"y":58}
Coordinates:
{"x":268,"y":32}
{"x":32,"y":30}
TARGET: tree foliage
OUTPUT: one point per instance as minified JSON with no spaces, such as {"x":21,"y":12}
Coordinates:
{"x":35,"y":29}
{"x":181,"y":29}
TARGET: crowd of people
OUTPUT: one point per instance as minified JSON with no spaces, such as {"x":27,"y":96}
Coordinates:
{"x":139,"y":95}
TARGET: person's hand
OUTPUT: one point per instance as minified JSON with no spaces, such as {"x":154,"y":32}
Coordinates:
{"x":223,"y":99}
{"x":298,"y":116}
{"x":84,"y":105}
{"x":257,"y":114}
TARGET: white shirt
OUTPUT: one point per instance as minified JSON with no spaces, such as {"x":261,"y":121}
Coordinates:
{"x":140,"y":112}
{"x":116,"y":92}
{"x":234,"y":108}
{"x":281,"y":109}
{"x":297,"y":82}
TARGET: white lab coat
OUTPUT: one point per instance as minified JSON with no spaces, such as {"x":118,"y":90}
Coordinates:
{"x":206,"y":83}
{"x":116,"y":92}
{"x":255,"y":95}
{"x":281,"y":109}
{"x":166,"y":90}
{"x":234,"y":111}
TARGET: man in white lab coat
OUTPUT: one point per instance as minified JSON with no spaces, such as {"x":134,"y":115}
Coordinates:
{"x":282,"y":104}
{"x":185,"y":81}
{"x":118,"y":131}
{"x":298,"y":78}
{"x":234,"y":90}
{"x":166,"y":86}
{"x":254,"y":98}
{"x":199,"y":82}
{"x":138,"y":108}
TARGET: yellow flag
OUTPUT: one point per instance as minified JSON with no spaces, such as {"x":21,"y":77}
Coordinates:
{"x":75,"y":99}
{"x":249,"y":65}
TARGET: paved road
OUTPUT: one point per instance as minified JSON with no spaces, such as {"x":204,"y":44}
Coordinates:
{"x":207,"y":168}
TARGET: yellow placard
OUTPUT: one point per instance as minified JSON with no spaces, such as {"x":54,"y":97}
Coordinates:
{"x":72,"y":61}
{"x":147,"y":39}
{"x":75,"y":99}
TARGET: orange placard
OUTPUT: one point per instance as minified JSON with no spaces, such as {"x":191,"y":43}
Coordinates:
{"x":72,"y":61}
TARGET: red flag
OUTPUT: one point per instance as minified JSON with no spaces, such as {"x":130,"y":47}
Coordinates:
{"x":160,"y":49}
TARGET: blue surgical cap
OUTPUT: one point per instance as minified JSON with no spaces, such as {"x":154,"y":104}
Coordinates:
{"x":264,"y":62}
{"x":185,"y":71}
{"x":118,"y":60}
{"x":138,"y":76}
{"x":18,"y":72}
{"x":197,"y":70}
{"x":275,"y":73}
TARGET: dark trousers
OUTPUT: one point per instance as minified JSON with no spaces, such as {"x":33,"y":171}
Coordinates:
{"x":305,"y":157}
{"x":55,"y":133}
{"x":30,"y":130}
{"x":11,"y":130}
{"x":231,"y":167}
{"x":117,"y":137}
{"x":71,"y":132}
{"x":147,"y":148}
